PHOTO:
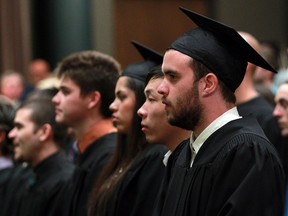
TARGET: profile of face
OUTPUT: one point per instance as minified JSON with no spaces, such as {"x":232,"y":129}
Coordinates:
{"x":179,"y":91}
{"x":154,"y":120}
{"x":25,"y":136}
{"x":71,"y":107}
{"x":12,"y":86}
{"x":281,"y":108}
{"x":38,"y":70}
{"x":123,"y":106}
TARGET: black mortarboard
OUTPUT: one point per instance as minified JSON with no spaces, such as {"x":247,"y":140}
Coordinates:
{"x":220,"y":48}
{"x":139,"y":70}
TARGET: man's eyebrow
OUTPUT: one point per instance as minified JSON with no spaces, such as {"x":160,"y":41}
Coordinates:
{"x":283,"y":102}
{"x":63,"y":88}
{"x":17,"y":124}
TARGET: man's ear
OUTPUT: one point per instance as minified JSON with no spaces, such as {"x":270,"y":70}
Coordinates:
{"x":45,"y":132}
{"x":94,"y":99}
{"x":2,"y":136}
{"x":209,"y":84}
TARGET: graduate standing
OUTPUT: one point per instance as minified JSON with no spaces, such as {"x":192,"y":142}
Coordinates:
{"x":154,"y":121}
{"x":228,"y":167}
{"x":87,"y":83}
{"x":37,"y":140}
{"x":130,"y":182}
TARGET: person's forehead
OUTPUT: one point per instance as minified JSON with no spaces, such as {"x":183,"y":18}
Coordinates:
{"x":174,"y":59}
{"x":154,"y":83}
{"x":67,"y":82}
{"x":23,"y":114}
{"x":282,"y":92}
{"x":171,"y":53}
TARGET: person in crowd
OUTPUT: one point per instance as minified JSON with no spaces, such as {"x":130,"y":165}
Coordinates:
{"x":155,"y":125}
{"x":270,"y":51}
{"x":228,"y":167}
{"x":87,"y":83}
{"x":69,"y":145}
{"x":38,"y":76}
{"x":281,"y":113}
{"x":130,"y":182}
{"x":38,"y":69}
{"x":281,"y":109}
{"x":12,"y":85}
{"x":7,"y":112}
{"x":250,"y":103}
{"x":37,"y":140}
{"x":154,"y":121}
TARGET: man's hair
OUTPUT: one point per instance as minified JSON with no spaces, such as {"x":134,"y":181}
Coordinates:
{"x":92,"y":71}
{"x":154,"y":73}
{"x":43,"y":112}
{"x":201,"y":70}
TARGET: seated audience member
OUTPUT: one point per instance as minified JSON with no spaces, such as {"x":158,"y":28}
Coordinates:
{"x":12,"y":85}
{"x":38,"y":69}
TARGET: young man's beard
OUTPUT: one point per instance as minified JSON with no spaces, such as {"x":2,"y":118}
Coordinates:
{"x":188,"y":110}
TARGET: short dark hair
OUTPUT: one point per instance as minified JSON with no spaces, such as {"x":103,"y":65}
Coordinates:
{"x":43,"y":112}
{"x":155,"y":72}
{"x":201,"y":70}
{"x":92,"y":71}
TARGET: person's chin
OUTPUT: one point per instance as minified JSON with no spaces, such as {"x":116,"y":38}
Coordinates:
{"x":59,"y":119}
{"x":18,"y":158}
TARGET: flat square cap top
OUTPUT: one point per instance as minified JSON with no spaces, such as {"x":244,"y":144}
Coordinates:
{"x":139,"y":70}
{"x":220,"y":48}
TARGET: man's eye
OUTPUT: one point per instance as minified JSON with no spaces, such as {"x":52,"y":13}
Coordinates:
{"x":172,"y":77}
{"x":284,"y":104}
{"x":150,"y":99}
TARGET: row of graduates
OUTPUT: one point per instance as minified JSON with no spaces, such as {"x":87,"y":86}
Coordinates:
{"x":48,"y":183}
{"x":227,"y":166}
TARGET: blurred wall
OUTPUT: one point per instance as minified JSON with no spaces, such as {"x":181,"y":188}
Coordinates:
{"x":60,"y":27}
{"x":52,"y":29}
{"x":266,"y":20}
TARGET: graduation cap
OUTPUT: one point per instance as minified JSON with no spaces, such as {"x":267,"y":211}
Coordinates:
{"x":139,"y":70}
{"x":220,"y":48}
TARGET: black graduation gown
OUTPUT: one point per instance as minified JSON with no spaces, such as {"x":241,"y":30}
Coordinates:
{"x":74,"y":197}
{"x":167,"y":175}
{"x":136,"y":193}
{"x":11,"y":188}
{"x":262,"y":110}
{"x":236,"y":172}
{"x":38,"y":187}
{"x":50,"y":176}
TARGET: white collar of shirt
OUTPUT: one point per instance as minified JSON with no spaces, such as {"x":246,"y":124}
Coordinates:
{"x":226,"y":117}
{"x":166,"y":157}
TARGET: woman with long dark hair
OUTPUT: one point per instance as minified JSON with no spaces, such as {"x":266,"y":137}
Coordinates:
{"x":130,"y":182}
